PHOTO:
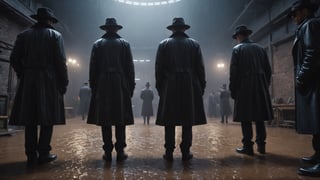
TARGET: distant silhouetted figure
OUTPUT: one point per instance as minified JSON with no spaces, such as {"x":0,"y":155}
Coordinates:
{"x":147,"y":109}
{"x":225,"y":108}
{"x":38,"y":57}
{"x":211,"y":105}
{"x":112,"y":84}
{"x":180,"y":82}
{"x":250,"y":77}
{"x":306,"y":60}
{"x":84,"y":96}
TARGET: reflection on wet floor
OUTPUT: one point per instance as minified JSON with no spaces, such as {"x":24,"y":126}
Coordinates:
{"x":79,"y":150}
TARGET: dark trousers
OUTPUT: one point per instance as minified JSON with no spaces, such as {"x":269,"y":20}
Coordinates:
{"x":224,"y":117}
{"x":316,"y":143}
{"x":146,"y":118}
{"x":170,"y":139}
{"x":247,"y":133}
{"x":120,"y":133}
{"x":34,"y":145}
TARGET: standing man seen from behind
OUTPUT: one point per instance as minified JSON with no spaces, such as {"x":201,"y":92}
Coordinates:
{"x":180,"y":82}
{"x":306,"y":59}
{"x":225,"y":108}
{"x":84,"y":96}
{"x":112,"y":84}
{"x":39,"y":60}
{"x":147,"y":109}
{"x":250,"y":76}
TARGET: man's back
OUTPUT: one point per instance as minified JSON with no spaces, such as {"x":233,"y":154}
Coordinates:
{"x":180,"y":81}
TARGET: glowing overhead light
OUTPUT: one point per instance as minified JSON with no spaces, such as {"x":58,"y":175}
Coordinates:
{"x":147,"y":2}
{"x":142,"y":60}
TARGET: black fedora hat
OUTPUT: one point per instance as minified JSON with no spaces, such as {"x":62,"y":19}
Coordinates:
{"x":300,"y":4}
{"x":242,"y":29}
{"x":44,"y":13}
{"x":178,"y":22}
{"x":110,"y":23}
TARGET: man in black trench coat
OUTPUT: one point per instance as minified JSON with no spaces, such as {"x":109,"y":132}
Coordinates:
{"x":180,"y":82}
{"x":112,"y":83}
{"x":250,"y":76}
{"x":39,"y":60}
{"x":306,"y":59}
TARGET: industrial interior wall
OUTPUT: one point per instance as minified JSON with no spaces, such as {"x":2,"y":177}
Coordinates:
{"x":283,"y":85}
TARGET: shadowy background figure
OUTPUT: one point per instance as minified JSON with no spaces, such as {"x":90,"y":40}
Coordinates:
{"x":112,"y":83}
{"x":147,"y":109}
{"x":306,"y":60}
{"x":225,"y":108}
{"x":180,"y":82}
{"x":84,"y":97}
{"x":213,"y":105}
{"x":39,"y":59}
{"x":250,"y":77}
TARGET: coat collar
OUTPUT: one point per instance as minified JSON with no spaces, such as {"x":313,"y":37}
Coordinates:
{"x":246,"y":41}
{"x":303,"y":22}
{"x":42,"y":25}
{"x":181,"y":34}
{"x":299,"y":27}
{"x":111,"y":35}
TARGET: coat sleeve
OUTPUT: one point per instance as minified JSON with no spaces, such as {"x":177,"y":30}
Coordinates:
{"x":61,"y":66}
{"x":234,"y":76}
{"x":93,"y":69}
{"x":311,"y":61}
{"x":159,"y":68}
{"x":17,"y":55}
{"x":201,"y":70}
{"x":130,"y":70}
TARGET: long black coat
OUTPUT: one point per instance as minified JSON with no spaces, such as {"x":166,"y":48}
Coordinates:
{"x":85,"y":96}
{"x":111,"y":81}
{"x":225,"y":108}
{"x":39,"y":60}
{"x":250,"y":75}
{"x":306,"y":58}
{"x":147,"y":97}
{"x":180,"y":82}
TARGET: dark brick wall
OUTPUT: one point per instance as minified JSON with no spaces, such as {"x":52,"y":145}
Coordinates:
{"x":8,"y":32}
{"x":282,"y":85}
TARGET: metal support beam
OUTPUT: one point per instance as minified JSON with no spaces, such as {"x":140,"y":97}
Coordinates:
{"x":244,"y":11}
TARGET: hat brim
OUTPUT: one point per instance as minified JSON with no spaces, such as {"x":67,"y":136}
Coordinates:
{"x":247,"y":32}
{"x":36,"y":17}
{"x":106,"y":27}
{"x":171,"y":27}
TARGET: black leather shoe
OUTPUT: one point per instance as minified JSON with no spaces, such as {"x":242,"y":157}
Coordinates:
{"x":314,"y":159}
{"x":242,"y":150}
{"x":121,"y":156}
{"x":46,"y":159}
{"x":187,"y":156}
{"x":107,"y":157}
{"x":313,"y":171}
{"x":168,"y":157}
{"x":261,"y":149}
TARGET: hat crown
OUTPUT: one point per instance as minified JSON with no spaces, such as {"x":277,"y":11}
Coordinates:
{"x":241,"y":29}
{"x":44,"y":12}
{"x":178,"y":21}
{"x":300,"y":4}
{"x":111,"y":21}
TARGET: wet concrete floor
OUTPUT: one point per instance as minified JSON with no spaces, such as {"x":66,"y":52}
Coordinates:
{"x":79,"y":150}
